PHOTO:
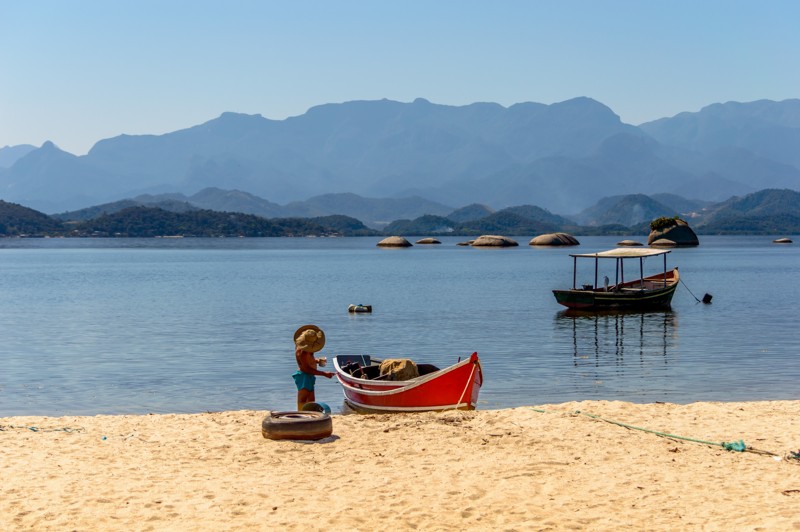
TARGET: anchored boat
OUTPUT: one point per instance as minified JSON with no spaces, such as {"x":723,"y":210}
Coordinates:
{"x":653,"y":291}
{"x":366,"y":388}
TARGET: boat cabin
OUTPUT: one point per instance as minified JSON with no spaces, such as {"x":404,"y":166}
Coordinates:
{"x":619,"y":255}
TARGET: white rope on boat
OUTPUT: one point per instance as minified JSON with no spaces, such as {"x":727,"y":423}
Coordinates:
{"x":469,"y":380}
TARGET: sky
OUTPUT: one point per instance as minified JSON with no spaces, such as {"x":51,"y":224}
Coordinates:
{"x":76,"y":72}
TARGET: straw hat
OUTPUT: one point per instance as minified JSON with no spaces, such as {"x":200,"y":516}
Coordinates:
{"x":309,"y":338}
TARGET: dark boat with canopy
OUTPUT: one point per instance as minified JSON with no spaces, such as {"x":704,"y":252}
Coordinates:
{"x":645,"y":292}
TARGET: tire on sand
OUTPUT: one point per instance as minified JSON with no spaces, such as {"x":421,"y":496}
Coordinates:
{"x":308,"y":425}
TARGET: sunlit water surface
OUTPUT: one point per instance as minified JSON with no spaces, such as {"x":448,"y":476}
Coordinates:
{"x":192,"y":325}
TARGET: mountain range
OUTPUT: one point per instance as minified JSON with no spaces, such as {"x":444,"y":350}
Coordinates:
{"x":561,"y":157}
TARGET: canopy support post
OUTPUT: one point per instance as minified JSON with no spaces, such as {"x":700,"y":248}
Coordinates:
{"x":574,"y":273}
{"x":641,"y":272}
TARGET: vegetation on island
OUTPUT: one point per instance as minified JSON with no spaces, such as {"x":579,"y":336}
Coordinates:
{"x":16,"y":220}
{"x":775,"y":212}
{"x":148,"y":222}
{"x":664,"y":222}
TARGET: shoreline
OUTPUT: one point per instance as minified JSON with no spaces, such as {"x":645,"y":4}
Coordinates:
{"x":570,"y":465}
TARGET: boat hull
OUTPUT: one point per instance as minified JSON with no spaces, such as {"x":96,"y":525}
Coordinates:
{"x":654,"y":292}
{"x":455,"y":387}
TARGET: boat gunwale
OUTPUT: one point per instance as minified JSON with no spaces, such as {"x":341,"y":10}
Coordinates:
{"x":627,"y":293}
{"x":398,"y":386}
{"x":671,"y":282}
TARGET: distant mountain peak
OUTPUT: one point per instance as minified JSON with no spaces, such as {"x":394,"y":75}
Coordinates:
{"x":230,"y":115}
{"x":11,"y":154}
{"x":234,"y":113}
{"x":48,"y":151}
{"x":588,"y":107}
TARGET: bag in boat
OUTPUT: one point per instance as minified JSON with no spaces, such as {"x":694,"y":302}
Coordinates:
{"x":399,"y":369}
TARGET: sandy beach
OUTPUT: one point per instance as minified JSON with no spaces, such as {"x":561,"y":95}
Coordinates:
{"x":545,"y":467}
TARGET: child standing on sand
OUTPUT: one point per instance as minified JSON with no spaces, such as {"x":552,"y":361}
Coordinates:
{"x":308,"y":340}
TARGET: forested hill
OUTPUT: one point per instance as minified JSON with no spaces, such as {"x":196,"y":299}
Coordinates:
{"x":16,"y":220}
{"x":770,"y":211}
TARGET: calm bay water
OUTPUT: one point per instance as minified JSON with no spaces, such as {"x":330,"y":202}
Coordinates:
{"x":190,"y":325}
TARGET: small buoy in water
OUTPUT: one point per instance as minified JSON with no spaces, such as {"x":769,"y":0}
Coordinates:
{"x":707,"y":299}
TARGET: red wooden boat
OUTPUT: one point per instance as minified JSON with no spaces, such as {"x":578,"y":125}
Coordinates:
{"x":455,"y":387}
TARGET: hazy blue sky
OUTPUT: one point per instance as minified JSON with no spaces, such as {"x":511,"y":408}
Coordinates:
{"x":75,"y":72}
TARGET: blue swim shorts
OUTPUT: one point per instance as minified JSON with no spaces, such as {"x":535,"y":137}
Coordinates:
{"x":304,"y":380}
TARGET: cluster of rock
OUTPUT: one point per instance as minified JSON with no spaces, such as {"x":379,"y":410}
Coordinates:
{"x":549,"y":239}
{"x":678,"y":234}
{"x":400,"y":242}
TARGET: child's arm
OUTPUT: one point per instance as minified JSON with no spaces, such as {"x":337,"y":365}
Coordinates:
{"x":308,"y":364}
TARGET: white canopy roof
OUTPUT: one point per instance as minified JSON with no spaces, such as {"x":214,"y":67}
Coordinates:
{"x":623,"y":253}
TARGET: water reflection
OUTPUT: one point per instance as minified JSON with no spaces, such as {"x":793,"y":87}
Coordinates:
{"x":619,"y":338}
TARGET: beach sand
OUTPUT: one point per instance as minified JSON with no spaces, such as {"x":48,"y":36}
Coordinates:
{"x":515,"y":469}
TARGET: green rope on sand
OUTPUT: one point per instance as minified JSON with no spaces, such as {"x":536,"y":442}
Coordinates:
{"x":728,"y":446}
{"x":37,"y":429}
